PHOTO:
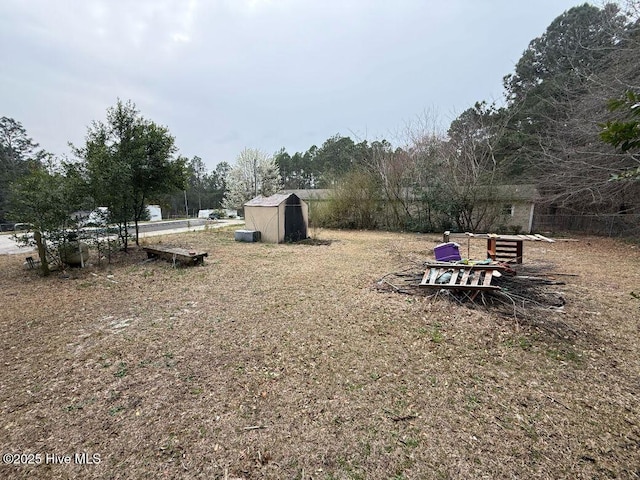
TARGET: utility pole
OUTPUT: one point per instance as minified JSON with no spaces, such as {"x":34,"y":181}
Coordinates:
{"x":186,"y":205}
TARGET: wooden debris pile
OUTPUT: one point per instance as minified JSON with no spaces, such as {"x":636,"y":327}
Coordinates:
{"x":521,"y":291}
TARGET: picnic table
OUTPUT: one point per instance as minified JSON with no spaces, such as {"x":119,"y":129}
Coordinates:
{"x":507,"y":248}
{"x":174,"y":254}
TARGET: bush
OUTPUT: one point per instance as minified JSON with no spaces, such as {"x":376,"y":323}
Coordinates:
{"x":354,"y":203}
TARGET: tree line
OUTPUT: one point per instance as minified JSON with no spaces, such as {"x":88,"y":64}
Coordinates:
{"x":569,"y":125}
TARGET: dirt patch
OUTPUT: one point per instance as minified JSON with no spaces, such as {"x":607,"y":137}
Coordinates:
{"x":283,"y":361}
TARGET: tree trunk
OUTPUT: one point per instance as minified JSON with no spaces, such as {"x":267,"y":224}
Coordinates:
{"x":42,"y":252}
{"x":124,"y":236}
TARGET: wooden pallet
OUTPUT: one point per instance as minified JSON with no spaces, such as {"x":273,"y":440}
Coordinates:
{"x":463,"y":277}
{"x":505,"y":250}
{"x":180,"y":255}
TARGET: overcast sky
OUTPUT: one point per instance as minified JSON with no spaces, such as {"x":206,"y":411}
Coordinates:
{"x":227,"y":74}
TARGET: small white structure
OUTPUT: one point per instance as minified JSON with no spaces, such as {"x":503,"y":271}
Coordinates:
{"x":247,"y":236}
{"x":279,"y":218}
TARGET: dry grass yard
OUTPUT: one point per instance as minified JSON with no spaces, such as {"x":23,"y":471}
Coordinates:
{"x":286,"y":362}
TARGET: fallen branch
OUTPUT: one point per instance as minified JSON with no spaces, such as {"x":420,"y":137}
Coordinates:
{"x":543,"y":281}
{"x":254,"y":427}
{"x":556,"y":401}
{"x":399,"y":418}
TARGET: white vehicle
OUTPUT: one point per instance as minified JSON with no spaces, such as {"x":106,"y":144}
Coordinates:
{"x":205,"y":213}
{"x":155,"y":213}
{"x":99,"y":217}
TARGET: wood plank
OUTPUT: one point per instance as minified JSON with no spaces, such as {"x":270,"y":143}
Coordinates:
{"x":476,"y":279}
{"x":174,"y":251}
{"x":176,"y":254}
{"x":526,"y":237}
{"x":436,"y":273}
{"x":546,"y":239}
{"x":463,"y":266}
{"x":465,"y":276}
{"x":435,"y":264}
{"x":449,"y":235}
{"x":429,"y":276}
{"x":454,"y":277}
{"x":466,"y":287}
{"x":434,"y":276}
{"x":487,"y":278}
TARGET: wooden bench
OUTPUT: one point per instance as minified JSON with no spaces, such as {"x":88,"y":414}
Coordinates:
{"x":181,"y":255}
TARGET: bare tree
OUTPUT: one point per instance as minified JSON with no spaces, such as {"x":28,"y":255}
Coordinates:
{"x":436,"y":181}
{"x":407,"y":173}
{"x":472,"y":168}
{"x":574,"y":166}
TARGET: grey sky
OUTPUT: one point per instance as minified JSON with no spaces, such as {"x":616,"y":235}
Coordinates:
{"x":227,"y":74}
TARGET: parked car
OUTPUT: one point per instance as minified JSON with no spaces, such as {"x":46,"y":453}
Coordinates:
{"x":7,"y":226}
{"x":23,"y":227}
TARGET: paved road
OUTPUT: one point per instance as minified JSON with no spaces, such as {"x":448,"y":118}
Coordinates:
{"x":171,"y":225}
{"x":9,"y":247}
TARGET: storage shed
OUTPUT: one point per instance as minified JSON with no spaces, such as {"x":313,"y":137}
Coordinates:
{"x":279,"y":218}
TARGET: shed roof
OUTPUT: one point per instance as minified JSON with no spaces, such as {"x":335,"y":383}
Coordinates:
{"x":272,"y":201}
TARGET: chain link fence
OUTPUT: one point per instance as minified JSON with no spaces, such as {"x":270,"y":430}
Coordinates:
{"x":610,"y":225}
